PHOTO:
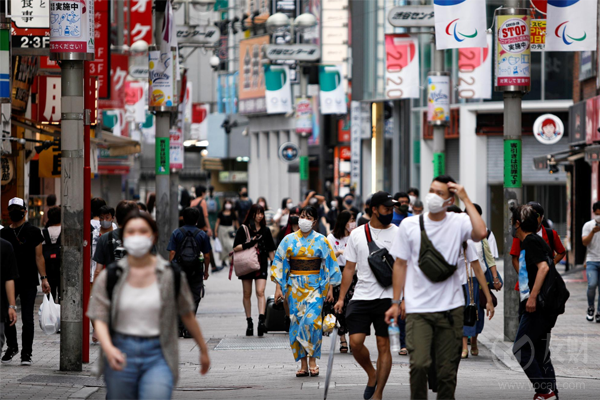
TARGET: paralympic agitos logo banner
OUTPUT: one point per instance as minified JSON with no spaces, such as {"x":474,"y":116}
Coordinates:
{"x":459,"y":24}
{"x":571,"y":25}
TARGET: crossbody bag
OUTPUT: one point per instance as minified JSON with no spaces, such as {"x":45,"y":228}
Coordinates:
{"x":431,"y":261}
{"x":380,"y":261}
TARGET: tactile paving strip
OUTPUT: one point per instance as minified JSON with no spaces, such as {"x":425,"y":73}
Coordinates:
{"x":254,"y":343}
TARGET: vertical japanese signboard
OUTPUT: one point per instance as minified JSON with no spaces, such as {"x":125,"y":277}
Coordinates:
{"x":355,"y":145}
{"x":512,"y":164}
{"x":176,"y":149}
{"x":100,"y":67}
{"x":49,"y":106}
{"x":162,"y":156}
{"x":538,"y":35}
{"x":24,"y":70}
{"x":30,"y":27}
{"x":513,"y":56}
{"x":4,"y":66}
{"x":141,"y":21}
{"x":72,"y":26}
{"x":252,"y":80}
{"x":50,"y":160}
{"x":439,"y":164}
{"x":119,"y":65}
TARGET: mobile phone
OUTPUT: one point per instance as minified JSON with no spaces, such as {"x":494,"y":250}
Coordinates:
{"x":124,"y":360}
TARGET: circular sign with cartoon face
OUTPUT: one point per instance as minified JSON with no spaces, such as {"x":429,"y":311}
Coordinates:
{"x":288,"y":152}
{"x":548,"y":129}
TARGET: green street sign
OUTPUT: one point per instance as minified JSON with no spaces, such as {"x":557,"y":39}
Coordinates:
{"x":512,"y":164}
{"x":162,"y":156}
{"x":439,"y":164}
{"x":304,"y":168}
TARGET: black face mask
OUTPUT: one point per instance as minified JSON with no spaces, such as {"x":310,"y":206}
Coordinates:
{"x":402,"y":209}
{"x":243,"y":194}
{"x":385,"y":219}
{"x":16,"y":215}
{"x":513,"y":231}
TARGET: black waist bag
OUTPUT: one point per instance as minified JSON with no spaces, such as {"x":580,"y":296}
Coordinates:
{"x":380,"y":261}
{"x":432,"y":262}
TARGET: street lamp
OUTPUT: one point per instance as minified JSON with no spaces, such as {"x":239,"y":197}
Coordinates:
{"x":280,"y":21}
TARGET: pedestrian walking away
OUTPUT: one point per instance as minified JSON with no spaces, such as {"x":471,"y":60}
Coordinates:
{"x":8,"y":274}
{"x":536,"y":319}
{"x":225,"y":228}
{"x":135,"y":303}
{"x":201,"y":204}
{"x":338,"y":239}
{"x":26,"y":241}
{"x":591,"y":240}
{"x":51,"y":250}
{"x":189,"y":248}
{"x":261,"y":237}
{"x":427,"y":248}
{"x":242,"y":205}
{"x":305,"y":270}
{"x":371,"y":300}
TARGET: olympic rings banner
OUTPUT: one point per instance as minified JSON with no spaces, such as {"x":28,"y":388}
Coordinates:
{"x":571,"y":25}
{"x":459,"y":24}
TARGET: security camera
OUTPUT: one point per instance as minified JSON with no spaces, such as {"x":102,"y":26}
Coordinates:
{"x":214,"y":62}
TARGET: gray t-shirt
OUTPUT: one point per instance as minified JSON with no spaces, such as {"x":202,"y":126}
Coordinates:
{"x":593,"y":249}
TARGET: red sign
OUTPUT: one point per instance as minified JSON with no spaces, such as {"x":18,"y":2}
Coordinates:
{"x":591,"y":121}
{"x":119,"y":65}
{"x":141,"y":21}
{"x":199,"y":112}
{"x":345,"y":153}
{"x":48,"y":106}
{"x":47,"y":63}
{"x":100,"y":67}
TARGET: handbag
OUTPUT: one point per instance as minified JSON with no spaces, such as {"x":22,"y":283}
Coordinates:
{"x":471,"y":312}
{"x":380,"y":261}
{"x":431,"y":261}
{"x":489,"y":277}
{"x":245,"y":261}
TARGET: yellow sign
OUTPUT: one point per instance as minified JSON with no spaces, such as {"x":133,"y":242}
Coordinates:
{"x":49,"y":161}
{"x":538,"y":34}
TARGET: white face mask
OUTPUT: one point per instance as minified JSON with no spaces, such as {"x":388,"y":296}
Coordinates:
{"x":105,"y":224}
{"x":435,"y":203}
{"x":228,"y":206}
{"x":313,"y":201}
{"x":138,"y":245}
{"x":351,"y":226}
{"x":305,"y":225}
{"x":412,"y":199}
{"x":334,"y":204}
{"x":290,"y":206}
{"x":597,"y":218}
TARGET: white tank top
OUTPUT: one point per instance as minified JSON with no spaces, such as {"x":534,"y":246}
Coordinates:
{"x":139,"y":311}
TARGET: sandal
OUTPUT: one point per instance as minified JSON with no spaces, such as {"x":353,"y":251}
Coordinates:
{"x":474,"y":351}
{"x":465,"y":354}
{"x":403,"y":352}
{"x":301,"y":374}
{"x":343,"y":346}
{"x":314,"y":371}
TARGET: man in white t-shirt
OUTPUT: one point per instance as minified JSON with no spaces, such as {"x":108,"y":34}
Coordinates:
{"x":370,"y":300}
{"x":434,"y":311}
{"x":591,"y":239}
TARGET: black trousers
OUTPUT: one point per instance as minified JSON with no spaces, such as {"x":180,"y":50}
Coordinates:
{"x":196,"y":283}
{"x":27,"y":292}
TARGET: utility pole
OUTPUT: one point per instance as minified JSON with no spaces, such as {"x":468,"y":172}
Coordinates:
{"x":304,"y":162}
{"x":439,"y":126}
{"x":515,"y":13}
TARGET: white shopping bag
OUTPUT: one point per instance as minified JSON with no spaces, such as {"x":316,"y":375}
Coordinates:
{"x":218,"y":246}
{"x":49,"y":316}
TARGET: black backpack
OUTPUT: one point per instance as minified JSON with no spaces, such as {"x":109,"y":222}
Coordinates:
{"x":116,"y":244}
{"x":51,"y":252}
{"x":188,"y":253}
{"x":554,"y":293}
{"x":201,"y":220}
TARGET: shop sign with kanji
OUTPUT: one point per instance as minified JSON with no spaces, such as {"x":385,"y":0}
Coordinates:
{"x":412,"y":16}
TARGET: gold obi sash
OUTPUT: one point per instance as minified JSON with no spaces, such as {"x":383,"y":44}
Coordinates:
{"x":305,"y":265}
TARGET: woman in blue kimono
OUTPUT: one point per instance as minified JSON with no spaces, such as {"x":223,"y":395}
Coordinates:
{"x":304,"y":269}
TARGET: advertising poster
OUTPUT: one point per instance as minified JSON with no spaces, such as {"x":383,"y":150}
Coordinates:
{"x":538,"y":35}
{"x":161,"y":79}
{"x":513,"y":57}
{"x":72,"y":26}
{"x":331,"y":94}
{"x":252,"y":88}
{"x":438,"y":99}
{"x":176,"y":149}
{"x":402,"y":67}
{"x":303,"y":116}
{"x":475,"y":72}
{"x":571,"y":25}
{"x":278,"y":89}
{"x":459,"y":23}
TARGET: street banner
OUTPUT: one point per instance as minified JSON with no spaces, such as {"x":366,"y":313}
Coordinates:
{"x":438,"y":99}
{"x":135,"y":101}
{"x":571,"y":25}
{"x":402,"y":67}
{"x":176,"y":148}
{"x":278,"y":90}
{"x":459,"y":23}
{"x":355,"y":146}
{"x":475,"y":72}
{"x":513,"y":56}
{"x":161,"y":79}
{"x":199,"y":129}
{"x":101,"y":65}
{"x":332,"y":96}
{"x":72,"y":26}
{"x":303,"y":117}
{"x":4,"y":66}
{"x":538,"y":35}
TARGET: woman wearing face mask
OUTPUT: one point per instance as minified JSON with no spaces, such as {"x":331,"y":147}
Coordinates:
{"x":225,"y":228}
{"x":282,"y":215}
{"x":137,"y":323}
{"x":349,"y":203}
{"x":305,"y":269}
{"x":261,"y":238}
{"x":345,"y":224}
{"x":335,"y":208}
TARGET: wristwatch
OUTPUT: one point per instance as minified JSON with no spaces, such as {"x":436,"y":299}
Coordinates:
{"x":396,"y":302}
{"x":43,"y":277}
{"x":13,"y":307}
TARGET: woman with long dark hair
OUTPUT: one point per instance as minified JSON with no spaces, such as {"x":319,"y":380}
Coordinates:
{"x":225,"y":230}
{"x":345,"y":223}
{"x":261,"y":237}
{"x":305,"y":270}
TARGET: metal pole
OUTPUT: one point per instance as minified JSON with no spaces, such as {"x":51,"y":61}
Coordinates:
{"x":121,"y":25}
{"x":513,"y":191}
{"x":175,"y":202}
{"x":303,"y":145}
{"x":439,"y":140}
{"x":72,"y":215}
{"x":89,"y":98}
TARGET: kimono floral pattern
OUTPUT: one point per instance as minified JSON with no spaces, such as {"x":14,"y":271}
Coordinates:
{"x":305,"y":293}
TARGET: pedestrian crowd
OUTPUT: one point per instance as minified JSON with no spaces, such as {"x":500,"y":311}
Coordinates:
{"x":424,"y":281}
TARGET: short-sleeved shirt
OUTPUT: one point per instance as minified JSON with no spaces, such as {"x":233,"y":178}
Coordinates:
{"x":108,"y":244}
{"x":534,"y":250}
{"x":178,"y":236}
{"x":515,"y":250}
{"x":338,"y":245}
{"x":357,"y":251}
{"x":9,"y":272}
{"x":225,"y":220}
{"x":593,"y":249}
{"x":398,"y":218}
{"x":242,"y":207}
{"x":420,"y":294}
{"x":29,"y":237}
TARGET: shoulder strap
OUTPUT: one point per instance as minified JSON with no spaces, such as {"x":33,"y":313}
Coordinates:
{"x":489,"y":233}
{"x":176,"y":279}
{"x":46,"y":234}
{"x":550,"y":234}
{"x":422,"y":223}
{"x":113,"y":272}
{"x":368,"y":233}
{"x":247,"y":232}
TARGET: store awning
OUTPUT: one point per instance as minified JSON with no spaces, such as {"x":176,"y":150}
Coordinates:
{"x":30,"y":125}
{"x":543,"y":162}
{"x":117,"y":145}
